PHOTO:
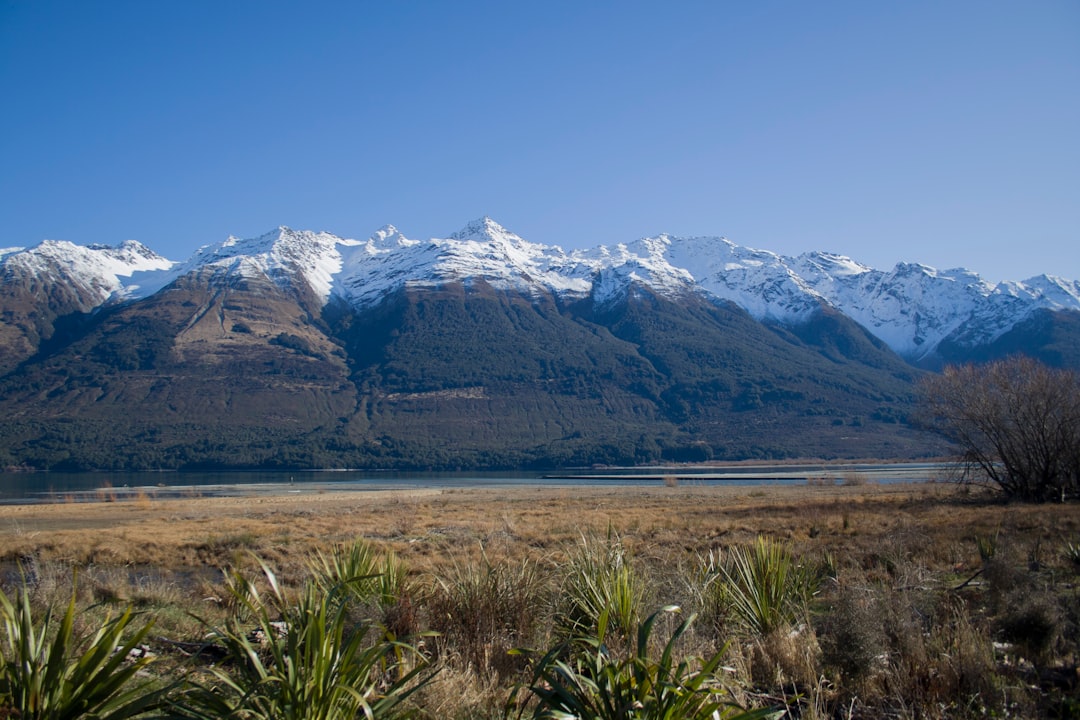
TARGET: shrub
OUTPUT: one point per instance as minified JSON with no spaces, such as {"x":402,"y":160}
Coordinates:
{"x":600,"y":581}
{"x":310,"y":663}
{"x":1031,"y":621}
{"x":48,"y":672}
{"x":595,"y":684}
{"x":486,"y":609}
{"x":1016,"y":422}
{"x":762,"y":587}
{"x":851,"y":637}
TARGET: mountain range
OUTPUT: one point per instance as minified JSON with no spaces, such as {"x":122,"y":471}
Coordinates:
{"x":482,"y":349}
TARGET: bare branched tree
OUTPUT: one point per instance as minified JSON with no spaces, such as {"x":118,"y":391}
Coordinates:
{"x":1016,"y":422}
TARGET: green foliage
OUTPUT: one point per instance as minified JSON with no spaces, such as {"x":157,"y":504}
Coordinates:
{"x":596,"y":685}
{"x":763,"y":587}
{"x":48,"y":673}
{"x":305,"y":661}
{"x":601,"y":582}
{"x":354,"y":567}
{"x":370,"y":578}
{"x":453,"y":377}
{"x":1071,"y":552}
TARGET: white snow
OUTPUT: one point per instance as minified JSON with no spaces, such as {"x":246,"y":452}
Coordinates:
{"x":911,"y":307}
{"x":99,"y":269}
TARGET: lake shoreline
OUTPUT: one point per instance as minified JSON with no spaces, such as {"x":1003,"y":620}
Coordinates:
{"x":22,"y":488}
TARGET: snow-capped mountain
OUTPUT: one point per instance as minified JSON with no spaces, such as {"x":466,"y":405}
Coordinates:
{"x":912,"y":308}
{"x":100,"y":272}
{"x":483,"y":251}
{"x":483,"y":349}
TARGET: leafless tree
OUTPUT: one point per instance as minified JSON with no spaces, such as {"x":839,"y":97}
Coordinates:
{"x":1016,"y":422}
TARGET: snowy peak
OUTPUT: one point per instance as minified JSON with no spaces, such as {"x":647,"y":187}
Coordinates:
{"x":280,"y":255}
{"x":122,"y":260}
{"x":482,"y":251}
{"x":388,"y":237}
{"x":646,"y":261}
{"x":487,"y":230}
{"x":913,"y":308}
{"x":485,"y":250}
{"x":756,"y":280}
{"x":828,"y":265}
{"x":99,"y":272}
{"x":1054,"y":292}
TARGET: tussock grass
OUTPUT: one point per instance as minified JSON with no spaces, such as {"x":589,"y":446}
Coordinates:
{"x":304,"y":659}
{"x":369,"y":575}
{"x":909,"y":618}
{"x":483,"y":609}
{"x":585,"y":679}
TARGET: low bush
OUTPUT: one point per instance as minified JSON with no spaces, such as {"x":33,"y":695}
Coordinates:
{"x":852,"y":637}
{"x":584,"y":679}
{"x":600,"y":580}
{"x":303,"y":660}
{"x":482,"y":610}
{"x":48,"y":671}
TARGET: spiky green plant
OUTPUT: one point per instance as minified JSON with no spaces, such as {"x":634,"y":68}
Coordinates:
{"x":393,"y":581}
{"x":987,"y":546}
{"x":372,"y":580}
{"x":595,"y":684}
{"x":48,"y":673}
{"x":354,"y":567}
{"x":304,"y":661}
{"x":1071,"y":551}
{"x":763,"y":587}
{"x":600,"y":581}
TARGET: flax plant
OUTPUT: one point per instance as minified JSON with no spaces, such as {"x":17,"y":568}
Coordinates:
{"x":1071,"y":552}
{"x":354,"y":567}
{"x":583,"y":679}
{"x":48,"y":673}
{"x":763,"y":587}
{"x":601,"y":581}
{"x":311,"y":664}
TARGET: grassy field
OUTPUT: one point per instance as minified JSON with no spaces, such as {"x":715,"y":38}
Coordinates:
{"x":921,"y":600}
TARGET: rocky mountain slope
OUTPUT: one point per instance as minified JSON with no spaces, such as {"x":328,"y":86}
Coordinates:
{"x":912,"y":308}
{"x":303,"y":349}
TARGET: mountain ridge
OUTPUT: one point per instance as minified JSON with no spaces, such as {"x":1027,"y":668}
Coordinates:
{"x":302,"y":349}
{"x":913,"y":308}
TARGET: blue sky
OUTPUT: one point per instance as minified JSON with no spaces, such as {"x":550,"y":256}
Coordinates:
{"x":946,"y":133}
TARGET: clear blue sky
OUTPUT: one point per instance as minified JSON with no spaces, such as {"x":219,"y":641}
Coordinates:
{"x":946,"y":133}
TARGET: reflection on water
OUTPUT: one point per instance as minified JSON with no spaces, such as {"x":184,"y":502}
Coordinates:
{"x":90,"y":487}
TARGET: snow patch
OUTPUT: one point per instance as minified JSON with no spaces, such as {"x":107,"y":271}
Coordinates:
{"x":911,"y":307}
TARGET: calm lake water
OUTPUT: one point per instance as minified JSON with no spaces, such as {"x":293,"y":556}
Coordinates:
{"x":89,"y":487}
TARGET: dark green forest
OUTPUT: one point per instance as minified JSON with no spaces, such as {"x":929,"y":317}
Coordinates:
{"x":202,"y":376}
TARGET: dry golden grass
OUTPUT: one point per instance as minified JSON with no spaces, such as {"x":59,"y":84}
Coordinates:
{"x":425,"y":527}
{"x":900,"y":550}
